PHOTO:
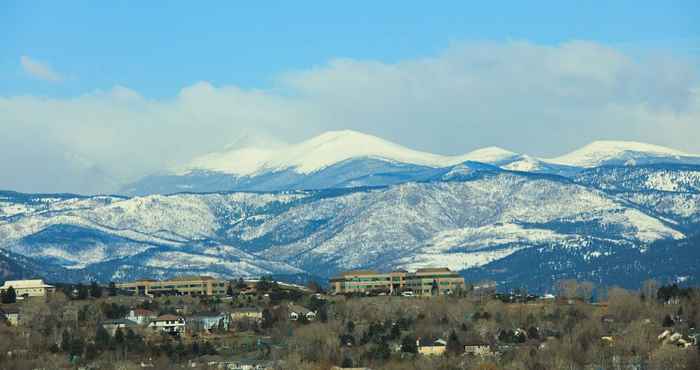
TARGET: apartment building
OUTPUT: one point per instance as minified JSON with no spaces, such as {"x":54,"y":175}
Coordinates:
{"x":422,"y":282}
{"x":183,"y":285}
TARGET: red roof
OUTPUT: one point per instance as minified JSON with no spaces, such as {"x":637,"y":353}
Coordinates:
{"x":143,"y":312}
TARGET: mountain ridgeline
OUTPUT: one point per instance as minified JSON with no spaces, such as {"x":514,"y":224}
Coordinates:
{"x":611,"y":213}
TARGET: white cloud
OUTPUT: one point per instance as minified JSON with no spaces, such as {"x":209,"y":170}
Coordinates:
{"x":39,"y":70}
{"x":542,"y":100}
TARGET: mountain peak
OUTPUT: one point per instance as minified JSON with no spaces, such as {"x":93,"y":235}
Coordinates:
{"x":313,"y":154}
{"x":491,"y":155}
{"x":601,"y":152}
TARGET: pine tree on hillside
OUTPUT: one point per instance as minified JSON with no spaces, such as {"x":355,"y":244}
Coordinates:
{"x":112,"y":289}
{"x":102,"y":338}
{"x":408,"y":345}
{"x":95,"y":290}
{"x":454,"y":346}
{"x":9,"y":296}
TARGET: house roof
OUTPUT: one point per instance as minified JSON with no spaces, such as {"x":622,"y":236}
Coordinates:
{"x":246,"y":309}
{"x":143,"y":312}
{"x":427,"y":342}
{"x":22,"y":284}
{"x":167,"y":317}
{"x":119,"y":322}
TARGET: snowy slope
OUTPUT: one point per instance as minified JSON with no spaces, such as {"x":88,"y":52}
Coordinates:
{"x":349,"y":158}
{"x":606,"y":152}
{"x":315,"y":154}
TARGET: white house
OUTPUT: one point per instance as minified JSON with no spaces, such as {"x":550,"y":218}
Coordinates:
{"x":28,"y":288}
{"x":141,"y":316}
{"x":168,"y":323}
{"x":478,"y":349}
{"x":296,"y":312}
{"x":112,"y":325}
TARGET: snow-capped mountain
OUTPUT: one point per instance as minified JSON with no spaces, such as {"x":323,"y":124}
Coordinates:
{"x":605,"y":152}
{"x":349,"y":158}
{"x":315,"y":154}
{"x":346,"y":200}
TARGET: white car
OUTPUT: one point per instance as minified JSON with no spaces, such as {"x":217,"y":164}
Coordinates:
{"x":407,"y":294}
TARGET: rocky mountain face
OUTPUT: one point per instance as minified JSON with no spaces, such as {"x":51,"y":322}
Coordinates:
{"x":491,"y":214}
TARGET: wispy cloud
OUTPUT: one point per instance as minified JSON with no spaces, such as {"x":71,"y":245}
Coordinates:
{"x":538,"y":99}
{"x":39,"y":69}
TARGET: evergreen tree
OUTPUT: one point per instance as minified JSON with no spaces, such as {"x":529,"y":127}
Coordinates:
{"x":454,"y":346}
{"x":267,"y":319}
{"x":668,"y":321}
{"x":54,"y":348}
{"x":82,"y":291}
{"x":265,"y":284}
{"x":65,"y":341}
{"x":195,"y":350}
{"x":381,"y":351}
{"x":102,"y":338}
{"x":395,"y":332}
{"x":112,"y":289}
{"x":533,"y":333}
{"x":95,"y":290}
{"x":408,"y":345}
{"x":77,"y":346}
{"x":119,"y":337}
{"x":350,"y":327}
{"x":180,"y":350}
{"x":208,"y":349}
{"x":8,"y":296}
{"x":91,"y":352}
{"x":434,"y":289}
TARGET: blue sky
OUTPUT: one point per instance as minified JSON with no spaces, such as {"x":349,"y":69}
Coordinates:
{"x":97,"y":94}
{"x":157,"y":48}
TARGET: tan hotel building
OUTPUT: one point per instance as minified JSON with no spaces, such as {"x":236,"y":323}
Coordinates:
{"x":421,"y":282}
{"x":184,"y":285}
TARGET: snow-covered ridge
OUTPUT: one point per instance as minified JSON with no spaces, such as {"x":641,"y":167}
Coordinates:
{"x":334,"y":147}
{"x":327,"y":149}
{"x":598,"y":152}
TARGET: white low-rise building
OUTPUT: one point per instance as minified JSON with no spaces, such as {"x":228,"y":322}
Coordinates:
{"x":28,"y":288}
{"x":168,"y":323}
{"x":141,"y":316}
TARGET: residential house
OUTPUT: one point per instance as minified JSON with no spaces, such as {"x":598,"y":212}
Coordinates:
{"x":111,"y":326}
{"x":478,"y":349}
{"x":431,"y":347}
{"x":677,"y":339}
{"x":296,"y":312}
{"x":11,"y":314}
{"x":209,"y":322}
{"x":170,"y":324}
{"x":250,"y":313}
{"x":141,"y":316}
{"x":28,"y":288}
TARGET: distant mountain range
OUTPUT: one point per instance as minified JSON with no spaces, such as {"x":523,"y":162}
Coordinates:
{"x":610,"y":212}
{"x":349,"y":159}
